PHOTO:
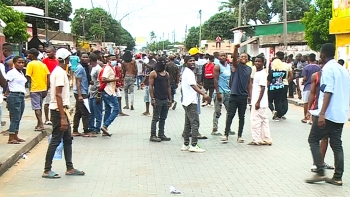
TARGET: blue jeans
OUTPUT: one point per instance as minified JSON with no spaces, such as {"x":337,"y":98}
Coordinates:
{"x":111,"y":108}
{"x":15,"y":105}
{"x":139,"y":79}
{"x":95,"y":115}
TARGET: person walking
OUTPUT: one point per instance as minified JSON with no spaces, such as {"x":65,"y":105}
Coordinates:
{"x":59,"y":110}
{"x":160,"y":91}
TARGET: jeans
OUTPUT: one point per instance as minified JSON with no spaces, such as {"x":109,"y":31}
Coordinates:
{"x":160,"y":113}
{"x":334,"y":132}
{"x":284,"y":100}
{"x":15,"y":105}
{"x":218,"y":44}
{"x":275,"y":101}
{"x":139,"y":79}
{"x":236,"y":103}
{"x":57,"y":135}
{"x":218,"y":107}
{"x":129,"y":90}
{"x":173,"y":91}
{"x":111,"y":108}
{"x":191,"y":124}
{"x":82,"y":113}
{"x":95,"y":116}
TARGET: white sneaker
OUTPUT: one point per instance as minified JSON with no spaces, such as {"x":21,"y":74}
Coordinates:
{"x":185,"y":148}
{"x":196,"y":149}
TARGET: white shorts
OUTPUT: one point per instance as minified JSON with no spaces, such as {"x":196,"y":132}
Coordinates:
{"x":47,"y":99}
{"x":305,"y":97}
{"x":119,"y":93}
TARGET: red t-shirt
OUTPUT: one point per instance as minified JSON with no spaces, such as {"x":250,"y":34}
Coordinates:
{"x":50,"y":63}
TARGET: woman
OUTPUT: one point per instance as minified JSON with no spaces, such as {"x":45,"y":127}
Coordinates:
{"x":15,"y":100}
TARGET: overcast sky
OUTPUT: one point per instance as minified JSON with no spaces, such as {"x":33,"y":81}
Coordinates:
{"x":155,"y":15}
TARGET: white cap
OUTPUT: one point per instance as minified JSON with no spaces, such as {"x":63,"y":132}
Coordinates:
{"x":62,"y":54}
{"x":74,"y":51}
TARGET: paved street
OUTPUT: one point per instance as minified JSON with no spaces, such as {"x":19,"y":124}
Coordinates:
{"x":129,"y":165}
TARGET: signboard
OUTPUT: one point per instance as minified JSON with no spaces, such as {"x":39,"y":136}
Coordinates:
{"x":341,"y":8}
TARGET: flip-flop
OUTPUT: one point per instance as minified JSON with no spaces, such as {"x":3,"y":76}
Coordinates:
{"x":39,"y":129}
{"x":50,"y":175}
{"x":76,"y":134}
{"x":89,"y":135}
{"x":105,"y":132}
{"x":13,"y":142}
{"x":75,"y":172}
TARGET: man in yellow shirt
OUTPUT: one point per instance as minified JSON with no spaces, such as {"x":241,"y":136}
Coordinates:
{"x":38,"y":76}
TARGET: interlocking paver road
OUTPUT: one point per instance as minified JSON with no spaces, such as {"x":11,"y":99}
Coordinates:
{"x":129,"y":165}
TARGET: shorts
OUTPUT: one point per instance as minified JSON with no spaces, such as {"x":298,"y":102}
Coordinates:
{"x":36,"y":100}
{"x":147,"y":97}
{"x":47,"y":98}
{"x":305,"y":97}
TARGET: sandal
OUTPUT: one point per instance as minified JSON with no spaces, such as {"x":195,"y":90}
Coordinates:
{"x":254,"y":143}
{"x":105,"y":132}
{"x":20,"y":140}
{"x":75,"y":172}
{"x":89,"y":135}
{"x":50,"y":175}
{"x":13,"y":142}
{"x":76,"y":134}
{"x":39,"y":129}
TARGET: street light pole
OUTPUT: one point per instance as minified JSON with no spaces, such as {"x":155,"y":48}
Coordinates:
{"x":200,"y":28}
{"x":285,"y":31}
{"x":240,"y":13}
{"x":46,"y":25}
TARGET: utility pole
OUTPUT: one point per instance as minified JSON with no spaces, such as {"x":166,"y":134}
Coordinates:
{"x":285,"y":31}
{"x":200,"y":28}
{"x":174,"y":37}
{"x":46,"y":22}
{"x":240,"y":13}
{"x":163,"y":41}
{"x":185,"y":32}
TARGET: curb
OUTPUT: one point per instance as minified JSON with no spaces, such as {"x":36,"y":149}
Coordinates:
{"x":26,"y":148}
{"x":294,"y":102}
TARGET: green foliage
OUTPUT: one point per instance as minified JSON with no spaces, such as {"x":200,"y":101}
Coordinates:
{"x":16,"y":29}
{"x":296,"y":8}
{"x":192,"y":38}
{"x":100,"y":26}
{"x":7,"y":2}
{"x":219,"y":24}
{"x":316,"y":23}
{"x":156,"y":46}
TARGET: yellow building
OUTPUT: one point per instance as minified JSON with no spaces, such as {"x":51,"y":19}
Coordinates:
{"x":340,"y":26}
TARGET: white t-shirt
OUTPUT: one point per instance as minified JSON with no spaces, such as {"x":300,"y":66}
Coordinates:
{"x":189,"y":95}
{"x":260,"y":79}
{"x":59,"y":78}
{"x":16,"y":81}
{"x":2,"y":70}
{"x":139,"y":64}
{"x":109,"y":73}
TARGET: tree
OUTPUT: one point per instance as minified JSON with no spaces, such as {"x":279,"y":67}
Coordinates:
{"x":316,"y":22}
{"x":296,"y":8}
{"x":219,"y":24}
{"x":192,"y":38}
{"x":16,"y":29}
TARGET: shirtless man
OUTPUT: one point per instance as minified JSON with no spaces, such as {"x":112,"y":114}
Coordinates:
{"x":129,"y":69}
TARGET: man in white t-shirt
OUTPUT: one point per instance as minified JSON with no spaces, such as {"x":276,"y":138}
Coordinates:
{"x":190,"y":101}
{"x":258,"y":117}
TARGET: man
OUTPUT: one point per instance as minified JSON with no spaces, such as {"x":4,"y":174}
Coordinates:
{"x":241,"y":90}
{"x":160,"y":91}
{"x":222,"y":75}
{"x":109,"y":95}
{"x":150,"y":66}
{"x":200,"y":62}
{"x":42,"y":53}
{"x":81,"y":95}
{"x":38,"y":76}
{"x":218,"y":42}
{"x":51,"y":63}
{"x":59,"y":106}
{"x":95,"y":97}
{"x":174,"y":75}
{"x":129,"y":70}
{"x":119,"y":85}
{"x":330,"y":116}
{"x":140,"y":71}
{"x":189,"y":101}
{"x":307,"y":73}
{"x":74,"y":62}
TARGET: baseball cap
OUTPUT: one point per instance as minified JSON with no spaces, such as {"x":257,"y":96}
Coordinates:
{"x":62,"y":54}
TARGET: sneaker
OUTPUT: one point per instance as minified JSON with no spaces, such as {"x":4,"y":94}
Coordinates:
{"x":174,"y":105}
{"x":204,"y":104}
{"x":313,"y":168}
{"x":216,"y":133}
{"x":185,"y":148}
{"x":334,"y":182}
{"x":154,"y":139}
{"x":164,"y":138}
{"x":240,"y":140}
{"x":196,"y":149}
{"x":316,"y":178}
{"x":284,"y":118}
{"x":224,"y":139}
{"x":48,"y":122}
{"x":276,"y":119}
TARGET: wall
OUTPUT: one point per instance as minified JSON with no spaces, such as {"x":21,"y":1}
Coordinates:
{"x":277,"y":28}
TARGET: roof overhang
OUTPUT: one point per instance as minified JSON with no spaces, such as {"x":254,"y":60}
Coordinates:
{"x":29,"y":10}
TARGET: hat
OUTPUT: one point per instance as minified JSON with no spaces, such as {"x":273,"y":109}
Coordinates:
{"x":138,"y":56}
{"x":193,"y":51}
{"x":74,"y":51}
{"x":62,"y":54}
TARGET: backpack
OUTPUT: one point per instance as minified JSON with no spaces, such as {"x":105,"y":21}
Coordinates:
{"x":209,"y":71}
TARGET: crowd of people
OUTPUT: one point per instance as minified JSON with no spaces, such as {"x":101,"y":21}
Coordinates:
{"x":99,"y":79}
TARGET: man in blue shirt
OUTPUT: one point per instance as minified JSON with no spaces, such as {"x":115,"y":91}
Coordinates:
{"x":81,"y":88}
{"x":332,"y":113}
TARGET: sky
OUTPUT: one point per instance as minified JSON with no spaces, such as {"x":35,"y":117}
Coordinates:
{"x":160,"y":16}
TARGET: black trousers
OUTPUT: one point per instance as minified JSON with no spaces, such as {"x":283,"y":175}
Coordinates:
{"x":81,"y":113}
{"x":236,"y":103}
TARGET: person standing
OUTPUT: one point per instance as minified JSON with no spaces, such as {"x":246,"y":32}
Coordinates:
{"x":74,"y":62}
{"x":59,"y":110}
{"x":160,"y":91}
{"x":174,"y":74}
{"x":95,"y":97}
{"x":208,"y":78}
{"x":119,"y":85}
{"x":332,"y":113}
{"x":51,"y":62}
{"x":241,"y":88}
{"x":218,"y":41}
{"x":190,"y":101}
{"x":150,"y":66}
{"x":258,"y":117}
{"x":129,"y":70}
{"x":81,"y":93}
{"x":140,"y":71}
{"x":38,"y":76}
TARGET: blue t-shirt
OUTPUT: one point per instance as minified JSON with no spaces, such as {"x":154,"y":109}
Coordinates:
{"x":240,"y":80}
{"x":308,"y":71}
{"x":224,"y":78}
{"x":81,"y":74}
{"x":74,"y":61}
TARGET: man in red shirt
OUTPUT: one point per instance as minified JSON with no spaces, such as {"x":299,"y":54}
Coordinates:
{"x":51,"y":62}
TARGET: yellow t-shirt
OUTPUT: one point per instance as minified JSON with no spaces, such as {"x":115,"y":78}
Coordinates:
{"x":37,"y":71}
